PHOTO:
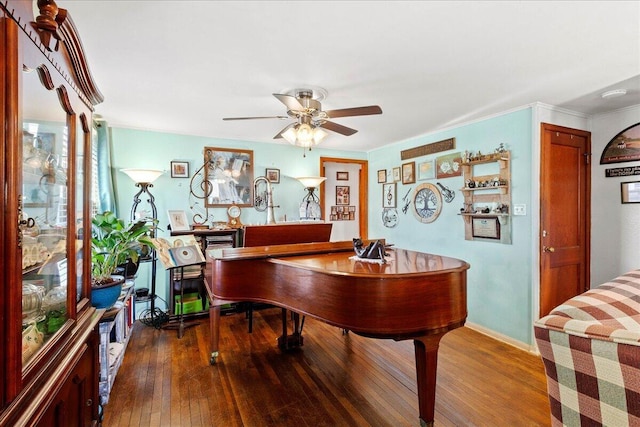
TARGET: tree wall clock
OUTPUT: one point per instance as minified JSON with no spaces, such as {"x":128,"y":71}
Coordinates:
{"x":427,"y":203}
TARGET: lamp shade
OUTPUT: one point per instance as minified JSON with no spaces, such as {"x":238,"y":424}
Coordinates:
{"x":143,"y":175}
{"x":311,"y":181}
{"x":304,"y":135}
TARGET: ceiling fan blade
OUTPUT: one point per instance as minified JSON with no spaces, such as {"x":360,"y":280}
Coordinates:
{"x":338,"y":128}
{"x":279,"y":135}
{"x":252,"y":118}
{"x":291,"y":102}
{"x":356,"y":111}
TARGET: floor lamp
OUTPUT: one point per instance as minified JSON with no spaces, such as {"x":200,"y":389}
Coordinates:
{"x":143,"y":179}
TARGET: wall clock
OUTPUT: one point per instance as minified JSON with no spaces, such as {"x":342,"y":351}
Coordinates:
{"x":427,"y":203}
{"x":233,"y":213}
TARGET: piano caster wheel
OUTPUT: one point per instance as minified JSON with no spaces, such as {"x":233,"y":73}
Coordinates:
{"x":214,"y":358}
{"x":345,"y":332}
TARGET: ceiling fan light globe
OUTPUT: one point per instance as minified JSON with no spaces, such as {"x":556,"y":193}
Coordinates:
{"x":305,"y":134}
{"x":318,"y":135}
{"x":290,"y":135}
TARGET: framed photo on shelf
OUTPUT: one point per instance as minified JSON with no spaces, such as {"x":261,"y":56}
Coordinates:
{"x":409,"y":173}
{"x":342,"y":176}
{"x":485,"y":227}
{"x":389,"y":195}
{"x":382,"y":176}
{"x":342,"y":195}
{"x":178,"y":220}
{"x":179,"y":169}
{"x":273,"y":175}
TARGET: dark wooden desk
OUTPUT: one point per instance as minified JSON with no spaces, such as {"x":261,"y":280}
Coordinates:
{"x":414,"y":296}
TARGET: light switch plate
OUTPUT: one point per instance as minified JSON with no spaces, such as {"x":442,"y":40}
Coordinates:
{"x":519,"y":209}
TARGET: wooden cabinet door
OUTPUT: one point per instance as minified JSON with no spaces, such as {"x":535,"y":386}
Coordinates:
{"x":74,"y":404}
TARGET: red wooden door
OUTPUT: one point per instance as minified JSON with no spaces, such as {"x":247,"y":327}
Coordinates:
{"x":565,"y":215}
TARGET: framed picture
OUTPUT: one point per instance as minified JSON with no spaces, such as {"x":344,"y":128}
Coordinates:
{"x":342,"y":194}
{"x":342,"y":176}
{"x":630,"y":192}
{"x":178,"y":220}
{"x":382,"y":176}
{"x":485,"y":227}
{"x":396,"y":174}
{"x":179,"y":169}
{"x":409,"y":173}
{"x":624,"y":147}
{"x":389,"y":195}
{"x":426,"y":170}
{"x":228,"y":177}
{"x":273,"y":175}
{"x":448,"y":166}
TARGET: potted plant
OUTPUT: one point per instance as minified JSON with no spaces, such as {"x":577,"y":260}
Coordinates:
{"x":113,"y":244}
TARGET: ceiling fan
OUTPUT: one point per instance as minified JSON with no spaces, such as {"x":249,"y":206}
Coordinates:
{"x":304,"y":106}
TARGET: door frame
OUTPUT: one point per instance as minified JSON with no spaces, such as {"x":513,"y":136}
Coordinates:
{"x":363,"y":185}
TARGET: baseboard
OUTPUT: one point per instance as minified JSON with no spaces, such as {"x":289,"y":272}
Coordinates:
{"x":503,"y":338}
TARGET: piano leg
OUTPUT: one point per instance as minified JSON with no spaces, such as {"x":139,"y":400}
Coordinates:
{"x":295,"y":339}
{"x":214,"y":327}
{"x":426,"y":351}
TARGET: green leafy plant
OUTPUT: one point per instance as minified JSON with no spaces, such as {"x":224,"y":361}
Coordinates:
{"x":113,"y":243}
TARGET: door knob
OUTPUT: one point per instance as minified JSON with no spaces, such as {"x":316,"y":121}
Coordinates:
{"x":548,"y":249}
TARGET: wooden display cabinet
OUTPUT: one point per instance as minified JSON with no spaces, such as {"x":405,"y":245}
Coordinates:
{"x":49,"y":330}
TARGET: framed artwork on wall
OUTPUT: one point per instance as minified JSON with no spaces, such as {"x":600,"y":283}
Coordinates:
{"x":409,"y":173}
{"x":228,"y":177}
{"x":179,"y":169}
{"x":389,"y":195}
{"x":624,"y":147}
{"x":273,"y":175}
{"x":382,"y":176}
{"x":448,"y":166}
{"x":396,"y":174}
{"x":342,"y":176}
{"x":342,"y":195}
{"x":630,"y":192}
{"x":426,"y":170}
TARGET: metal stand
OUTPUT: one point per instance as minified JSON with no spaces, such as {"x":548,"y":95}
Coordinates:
{"x":181,"y":325}
{"x":153,"y":316}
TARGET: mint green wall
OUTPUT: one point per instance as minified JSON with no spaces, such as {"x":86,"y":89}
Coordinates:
{"x":499,"y":281}
{"x":153,"y":150}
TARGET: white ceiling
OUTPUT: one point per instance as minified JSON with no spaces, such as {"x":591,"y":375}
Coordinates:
{"x":181,"y":66}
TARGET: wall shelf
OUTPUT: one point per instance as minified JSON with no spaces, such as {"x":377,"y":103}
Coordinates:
{"x":487,"y":183}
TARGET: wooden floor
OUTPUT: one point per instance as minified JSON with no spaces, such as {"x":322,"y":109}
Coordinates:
{"x":334,"y":380}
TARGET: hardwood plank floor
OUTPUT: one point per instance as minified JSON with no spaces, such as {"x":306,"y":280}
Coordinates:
{"x":334,"y":380}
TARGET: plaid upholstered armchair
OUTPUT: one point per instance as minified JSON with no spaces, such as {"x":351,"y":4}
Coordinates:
{"x":590,"y":346}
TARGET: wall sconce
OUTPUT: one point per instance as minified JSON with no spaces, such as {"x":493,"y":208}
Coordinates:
{"x":310,"y":206}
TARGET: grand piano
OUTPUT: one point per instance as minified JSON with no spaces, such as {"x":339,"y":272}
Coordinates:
{"x":413,"y":295}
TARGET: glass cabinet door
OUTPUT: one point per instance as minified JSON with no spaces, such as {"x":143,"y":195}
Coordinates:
{"x":44,"y":229}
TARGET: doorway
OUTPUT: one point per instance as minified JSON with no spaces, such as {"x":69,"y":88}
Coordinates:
{"x":352,"y":174}
{"x":565,"y":216}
